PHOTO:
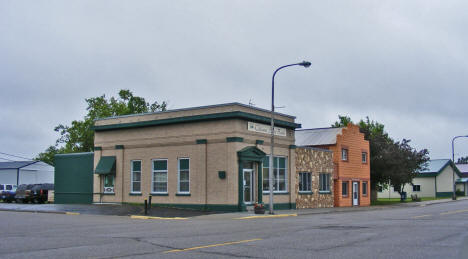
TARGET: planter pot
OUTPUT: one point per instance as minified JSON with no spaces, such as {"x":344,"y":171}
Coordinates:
{"x":259,"y":210}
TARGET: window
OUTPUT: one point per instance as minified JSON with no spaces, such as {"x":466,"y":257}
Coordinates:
{"x":136,"y":176}
{"x":279,"y":174}
{"x":305,"y":184}
{"x":364,"y":157}
{"x":344,"y":189}
{"x":364,"y":188}
{"x":109,"y":183}
{"x":2,"y":187}
{"x":416,"y":188}
{"x":159,"y":176}
{"x":344,"y":154}
{"x":324,"y":182}
{"x":184,"y":176}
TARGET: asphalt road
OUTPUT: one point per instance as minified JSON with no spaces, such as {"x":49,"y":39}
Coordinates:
{"x":435,"y":231}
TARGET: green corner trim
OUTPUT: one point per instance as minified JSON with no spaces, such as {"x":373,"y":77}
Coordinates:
{"x":183,"y":194}
{"x":119,"y":146}
{"x":159,"y":194}
{"x":259,"y":142}
{"x":97,"y":148}
{"x":234,"y":139}
{"x":199,"y":118}
{"x":202,"y":141}
{"x":134,"y":194}
{"x":292,"y":146}
{"x":444,"y":194}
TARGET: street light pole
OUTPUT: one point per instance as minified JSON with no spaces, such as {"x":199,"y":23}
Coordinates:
{"x":270,"y":167}
{"x":454,"y":196}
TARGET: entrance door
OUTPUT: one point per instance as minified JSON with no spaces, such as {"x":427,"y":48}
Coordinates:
{"x":248,"y":188}
{"x":355,"y":193}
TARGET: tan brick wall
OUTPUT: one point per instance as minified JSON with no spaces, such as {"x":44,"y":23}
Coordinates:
{"x":179,"y":140}
{"x":315,"y":161}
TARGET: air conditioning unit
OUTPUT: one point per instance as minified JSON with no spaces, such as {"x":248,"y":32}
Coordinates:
{"x":108,"y":189}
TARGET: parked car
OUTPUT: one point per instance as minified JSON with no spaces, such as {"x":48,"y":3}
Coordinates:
{"x":23,"y":193}
{"x":39,"y":192}
{"x":7,"y":192}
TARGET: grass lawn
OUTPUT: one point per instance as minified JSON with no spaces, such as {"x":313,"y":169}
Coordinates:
{"x":390,"y":201}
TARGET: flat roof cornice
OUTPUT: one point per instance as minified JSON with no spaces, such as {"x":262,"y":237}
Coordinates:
{"x":197,"y":118}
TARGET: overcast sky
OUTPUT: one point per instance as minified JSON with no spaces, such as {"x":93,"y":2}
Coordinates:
{"x":402,"y":63}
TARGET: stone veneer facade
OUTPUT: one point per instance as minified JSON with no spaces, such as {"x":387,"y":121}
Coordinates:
{"x":316,"y":161}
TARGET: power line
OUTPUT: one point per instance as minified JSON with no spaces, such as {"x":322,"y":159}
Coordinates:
{"x":16,"y":156}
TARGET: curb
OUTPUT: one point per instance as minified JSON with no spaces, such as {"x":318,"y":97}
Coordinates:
{"x":43,"y":211}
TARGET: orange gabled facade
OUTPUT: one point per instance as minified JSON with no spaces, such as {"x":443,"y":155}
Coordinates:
{"x":351,"y":176}
{"x":354,"y":169}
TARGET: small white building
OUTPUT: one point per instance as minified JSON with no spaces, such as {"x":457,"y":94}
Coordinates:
{"x":462,"y":183}
{"x":435,"y":181}
{"x":26,"y":172}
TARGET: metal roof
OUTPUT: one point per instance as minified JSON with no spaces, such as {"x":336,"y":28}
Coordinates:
{"x":462,"y":167}
{"x":15,"y":164}
{"x":435,"y":166}
{"x":317,"y":137}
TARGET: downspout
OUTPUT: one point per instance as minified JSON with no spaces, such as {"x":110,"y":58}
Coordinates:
{"x":435,"y":185}
{"x":122,"y":176}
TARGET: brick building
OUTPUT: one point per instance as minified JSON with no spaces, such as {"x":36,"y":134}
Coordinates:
{"x":351,"y":177}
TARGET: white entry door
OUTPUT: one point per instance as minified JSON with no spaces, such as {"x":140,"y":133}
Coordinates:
{"x":355,"y":193}
{"x":248,"y":188}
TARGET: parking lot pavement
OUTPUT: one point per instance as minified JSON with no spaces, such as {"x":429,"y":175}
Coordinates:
{"x":101,"y":209}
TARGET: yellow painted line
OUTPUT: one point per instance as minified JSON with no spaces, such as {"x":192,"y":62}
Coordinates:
{"x":268,"y":216}
{"x":148,"y":217}
{"x":422,"y":216}
{"x":453,"y":212}
{"x":72,"y":213}
{"x":214,"y":245}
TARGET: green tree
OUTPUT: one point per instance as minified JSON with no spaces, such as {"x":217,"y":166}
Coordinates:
{"x":390,"y":161}
{"x":462,"y":160}
{"x":79,"y":136}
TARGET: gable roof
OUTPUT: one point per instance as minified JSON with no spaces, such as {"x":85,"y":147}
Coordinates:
{"x":15,"y":164}
{"x":435,"y":166}
{"x":317,"y":137}
{"x":463,"y":169}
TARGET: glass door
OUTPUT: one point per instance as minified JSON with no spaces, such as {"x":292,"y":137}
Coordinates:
{"x":248,"y":190}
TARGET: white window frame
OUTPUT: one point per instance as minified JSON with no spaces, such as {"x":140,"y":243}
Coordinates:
{"x":310,"y":182}
{"x":328,"y":183}
{"x":178,"y":176}
{"x":344,"y":155}
{"x":286,"y":182}
{"x":104,"y":183}
{"x":153,"y":171}
{"x":131,"y":175}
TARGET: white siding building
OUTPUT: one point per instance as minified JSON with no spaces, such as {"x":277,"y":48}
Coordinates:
{"x":26,"y":172}
{"x":435,"y":181}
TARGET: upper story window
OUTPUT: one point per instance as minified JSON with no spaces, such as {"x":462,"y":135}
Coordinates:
{"x":344,"y":154}
{"x":279,"y":174}
{"x":159,"y":176}
{"x":135,"y":176}
{"x":184,"y":176}
{"x":364,"y":157}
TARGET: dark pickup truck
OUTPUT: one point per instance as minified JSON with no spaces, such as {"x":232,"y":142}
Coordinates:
{"x":36,"y":193}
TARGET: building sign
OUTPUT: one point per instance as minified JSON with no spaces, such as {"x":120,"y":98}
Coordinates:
{"x":263,"y":128}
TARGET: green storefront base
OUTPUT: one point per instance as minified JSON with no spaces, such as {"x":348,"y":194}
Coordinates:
{"x":446,"y":194}
{"x":217,"y":207}
{"x":73,"y":198}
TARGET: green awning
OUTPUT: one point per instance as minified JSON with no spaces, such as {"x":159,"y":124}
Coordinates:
{"x":106,"y":165}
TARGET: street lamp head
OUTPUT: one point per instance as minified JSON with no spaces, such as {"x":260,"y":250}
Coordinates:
{"x":305,"y":63}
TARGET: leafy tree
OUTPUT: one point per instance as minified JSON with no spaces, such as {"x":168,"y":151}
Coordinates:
{"x":392,"y":161}
{"x":462,"y":160}
{"x":79,"y":136}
